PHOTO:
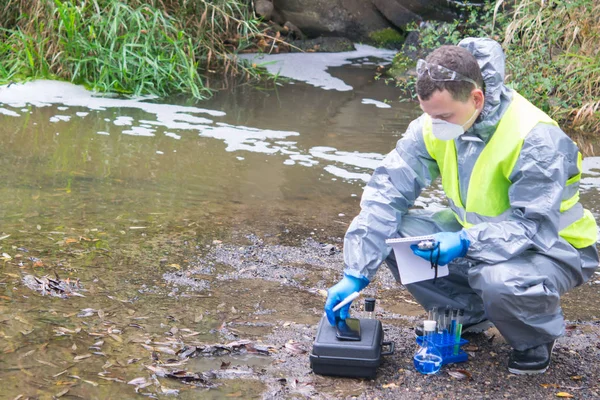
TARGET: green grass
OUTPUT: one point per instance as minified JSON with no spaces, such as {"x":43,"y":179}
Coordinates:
{"x":387,"y":38}
{"x":551,"y":51}
{"x":133,"y":47}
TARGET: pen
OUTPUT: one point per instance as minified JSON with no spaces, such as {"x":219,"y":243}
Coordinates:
{"x":347,"y":300}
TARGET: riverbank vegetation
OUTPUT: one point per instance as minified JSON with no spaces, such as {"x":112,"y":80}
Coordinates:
{"x":552,"y":52}
{"x":136,"y":47}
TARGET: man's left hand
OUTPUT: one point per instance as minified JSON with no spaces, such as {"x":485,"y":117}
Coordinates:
{"x":450,"y":246}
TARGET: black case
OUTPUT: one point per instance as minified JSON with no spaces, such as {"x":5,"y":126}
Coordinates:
{"x":356,"y":359}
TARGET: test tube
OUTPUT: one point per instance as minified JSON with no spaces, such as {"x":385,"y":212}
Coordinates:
{"x":461,"y":314}
{"x":447,"y":322}
{"x":441,"y":321}
{"x":370,"y":307}
{"x":453,"y":322}
{"x":433,"y":314}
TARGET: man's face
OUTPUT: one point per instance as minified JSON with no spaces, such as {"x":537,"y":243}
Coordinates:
{"x":442,"y":106}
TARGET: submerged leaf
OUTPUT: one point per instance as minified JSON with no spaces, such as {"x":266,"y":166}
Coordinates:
{"x":137,"y":381}
{"x":563,"y":394}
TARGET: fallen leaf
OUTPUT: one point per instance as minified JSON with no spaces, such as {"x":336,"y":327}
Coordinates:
{"x":563,"y":394}
{"x":81,"y":357}
{"x":459,"y":374}
{"x":548,"y":385}
{"x":295,"y":347}
{"x":225,"y":365}
{"x":576,"y":378}
{"x":471,"y":347}
{"x":61,"y":393}
{"x":389,"y":386}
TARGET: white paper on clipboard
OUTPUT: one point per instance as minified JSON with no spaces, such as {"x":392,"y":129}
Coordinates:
{"x":413,"y":268}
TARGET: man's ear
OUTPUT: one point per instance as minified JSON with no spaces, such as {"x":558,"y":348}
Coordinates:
{"x":478,"y":97}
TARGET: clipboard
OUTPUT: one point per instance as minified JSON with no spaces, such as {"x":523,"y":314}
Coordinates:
{"x":413,"y":268}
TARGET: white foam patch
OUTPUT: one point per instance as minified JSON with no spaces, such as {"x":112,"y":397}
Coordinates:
{"x":123,"y":121}
{"x":303,"y":159}
{"x":10,"y":113}
{"x":378,"y":104}
{"x":590,"y":173}
{"x":57,"y":118}
{"x":81,"y":113}
{"x":312,"y":67}
{"x":173,"y":135}
{"x":45,"y":93}
{"x":139,"y":131}
{"x":362,"y":160}
{"x":591,"y":166}
{"x":246,"y":138}
{"x":344,"y":174}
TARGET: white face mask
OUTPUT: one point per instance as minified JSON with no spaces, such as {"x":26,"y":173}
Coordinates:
{"x":445,"y":130}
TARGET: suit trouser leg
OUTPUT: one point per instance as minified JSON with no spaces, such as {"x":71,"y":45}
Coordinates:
{"x":521,"y":296}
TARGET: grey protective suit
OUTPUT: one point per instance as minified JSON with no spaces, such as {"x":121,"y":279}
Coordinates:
{"x":515,"y":270}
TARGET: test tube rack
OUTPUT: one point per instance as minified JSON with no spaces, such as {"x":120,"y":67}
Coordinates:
{"x":449,"y":348}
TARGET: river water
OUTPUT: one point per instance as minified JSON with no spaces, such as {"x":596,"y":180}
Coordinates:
{"x":128,"y":195}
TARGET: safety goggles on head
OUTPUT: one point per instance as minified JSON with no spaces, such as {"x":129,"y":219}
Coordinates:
{"x":440,"y":73}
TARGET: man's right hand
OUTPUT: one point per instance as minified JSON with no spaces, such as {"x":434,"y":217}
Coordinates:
{"x":338,"y":292}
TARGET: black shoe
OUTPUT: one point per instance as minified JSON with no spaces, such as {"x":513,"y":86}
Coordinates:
{"x":531,"y":361}
{"x":472,"y":328}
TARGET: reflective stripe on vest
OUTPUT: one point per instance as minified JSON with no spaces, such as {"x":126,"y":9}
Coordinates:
{"x":487,"y":195}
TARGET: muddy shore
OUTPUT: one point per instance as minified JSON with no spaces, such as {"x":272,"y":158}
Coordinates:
{"x":304,"y":272}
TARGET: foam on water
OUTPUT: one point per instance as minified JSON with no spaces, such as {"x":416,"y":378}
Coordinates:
{"x":312,"y":67}
{"x":174,"y":121}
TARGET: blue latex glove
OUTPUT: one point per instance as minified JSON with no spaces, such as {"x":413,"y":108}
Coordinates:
{"x":451,"y":246}
{"x":338,"y":292}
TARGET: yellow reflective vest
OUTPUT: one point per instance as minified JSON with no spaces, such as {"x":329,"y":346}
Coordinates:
{"x":487,"y":196}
